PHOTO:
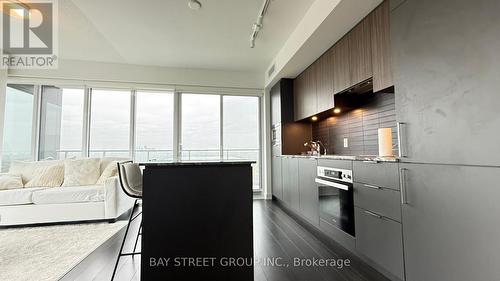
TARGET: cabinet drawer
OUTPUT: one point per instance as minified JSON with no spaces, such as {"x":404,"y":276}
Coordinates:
{"x":383,"y":201}
{"x":308,"y":191}
{"x":379,"y":174}
{"x":380,"y":240}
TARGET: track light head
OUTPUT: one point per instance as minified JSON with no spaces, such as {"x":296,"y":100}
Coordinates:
{"x":194,"y":4}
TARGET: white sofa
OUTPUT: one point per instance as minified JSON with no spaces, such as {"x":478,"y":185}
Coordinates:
{"x":37,"y":205}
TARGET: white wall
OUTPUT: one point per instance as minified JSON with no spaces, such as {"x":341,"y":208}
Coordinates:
{"x":3,"y":85}
{"x":98,"y":72}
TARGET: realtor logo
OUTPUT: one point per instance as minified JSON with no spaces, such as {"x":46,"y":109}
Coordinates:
{"x":29,"y":34}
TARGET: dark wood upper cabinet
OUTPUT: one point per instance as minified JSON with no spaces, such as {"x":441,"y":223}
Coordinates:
{"x":341,"y":69}
{"x":310,"y":104}
{"x":282,"y":102}
{"x":288,"y":137}
{"x":298,"y":96}
{"x":305,"y":93}
{"x":381,"y":47}
{"x":324,"y":82}
{"x":360,"y":53}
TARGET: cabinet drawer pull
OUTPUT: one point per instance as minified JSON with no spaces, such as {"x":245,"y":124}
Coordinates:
{"x":373,"y":214}
{"x":402,"y":185}
{"x":371,"y":161}
{"x":372,"y":186}
{"x":401,"y":126}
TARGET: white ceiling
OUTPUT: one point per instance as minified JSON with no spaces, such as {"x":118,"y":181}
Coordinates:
{"x":167,"y":33}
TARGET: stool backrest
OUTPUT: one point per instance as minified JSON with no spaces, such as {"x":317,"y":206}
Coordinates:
{"x":130,"y":178}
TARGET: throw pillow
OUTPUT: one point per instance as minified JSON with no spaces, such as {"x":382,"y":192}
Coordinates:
{"x":18,"y":168}
{"x":28,"y":170}
{"x":81,"y":172}
{"x":110,"y":171}
{"x":48,"y":176}
{"x":10,"y":181}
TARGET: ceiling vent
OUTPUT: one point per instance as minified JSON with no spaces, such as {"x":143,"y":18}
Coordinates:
{"x":271,"y":70}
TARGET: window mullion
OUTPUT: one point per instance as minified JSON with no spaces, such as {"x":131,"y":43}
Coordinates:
{"x":261,"y":150}
{"x":3,"y":98}
{"x":133,"y":108}
{"x":221,"y":127}
{"x":177,"y":126}
{"x":87,"y":101}
{"x":35,"y":139}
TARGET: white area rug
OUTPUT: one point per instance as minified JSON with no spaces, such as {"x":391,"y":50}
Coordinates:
{"x":46,"y":253}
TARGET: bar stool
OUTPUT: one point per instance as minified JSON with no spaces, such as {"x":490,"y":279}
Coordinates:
{"x":130,"y":178}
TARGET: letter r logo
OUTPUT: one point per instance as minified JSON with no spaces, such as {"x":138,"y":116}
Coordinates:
{"x":27,"y":27}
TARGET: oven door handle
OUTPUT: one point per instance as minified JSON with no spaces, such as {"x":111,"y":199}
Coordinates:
{"x":330,"y":183}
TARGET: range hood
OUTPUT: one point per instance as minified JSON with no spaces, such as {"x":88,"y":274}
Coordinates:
{"x":355,"y":96}
{"x":352,"y":98}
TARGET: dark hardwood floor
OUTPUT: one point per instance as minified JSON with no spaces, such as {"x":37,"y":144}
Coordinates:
{"x":276,"y":235}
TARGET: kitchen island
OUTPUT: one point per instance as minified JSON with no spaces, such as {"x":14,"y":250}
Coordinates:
{"x":197,"y":218}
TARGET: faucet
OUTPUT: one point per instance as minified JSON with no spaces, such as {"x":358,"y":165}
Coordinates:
{"x":316,"y":146}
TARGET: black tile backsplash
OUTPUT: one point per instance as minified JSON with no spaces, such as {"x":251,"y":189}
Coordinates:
{"x":360,"y":126}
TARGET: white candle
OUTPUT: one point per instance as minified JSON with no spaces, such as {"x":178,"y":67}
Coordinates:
{"x":385,"y":142}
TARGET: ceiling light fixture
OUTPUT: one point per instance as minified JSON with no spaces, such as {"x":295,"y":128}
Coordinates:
{"x":314,"y":118}
{"x":258,"y":25}
{"x":336,"y":110}
{"x":194,"y":4}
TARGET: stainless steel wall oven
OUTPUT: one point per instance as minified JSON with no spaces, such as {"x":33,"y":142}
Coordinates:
{"x":336,"y":201}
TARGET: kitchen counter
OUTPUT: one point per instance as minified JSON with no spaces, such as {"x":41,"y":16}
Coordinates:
{"x":369,"y":158}
{"x":196,"y":163}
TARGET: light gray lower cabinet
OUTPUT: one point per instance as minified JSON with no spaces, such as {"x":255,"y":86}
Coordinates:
{"x":383,"y":174}
{"x":286,"y":181}
{"x":381,"y":200}
{"x":308,"y":191}
{"x":451,"y":224}
{"x":380,"y":239}
{"x":290,"y":181}
{"x":293,"y":173}
{"x":277,"y":184}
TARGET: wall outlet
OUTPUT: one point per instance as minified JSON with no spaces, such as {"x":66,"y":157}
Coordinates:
{"x":346,"y":142}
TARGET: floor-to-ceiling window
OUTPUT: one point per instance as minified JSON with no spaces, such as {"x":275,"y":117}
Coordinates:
{"x":110,"y":123}
{"x":61,"y":122}
{"x":154,"y":126}
{"x":240,"y":131}
{"x":18,"y":124}
{"x":200,"y":129}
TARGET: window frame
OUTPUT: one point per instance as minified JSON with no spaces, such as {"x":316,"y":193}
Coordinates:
{"x":35,"y":112}
{"x":178,"y":139}
{"x":131,"y":133}
{"x":178,"y":144}
{"x":259,"y":128}
{"x":134,"y":118}
{"x":38,"y":129}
